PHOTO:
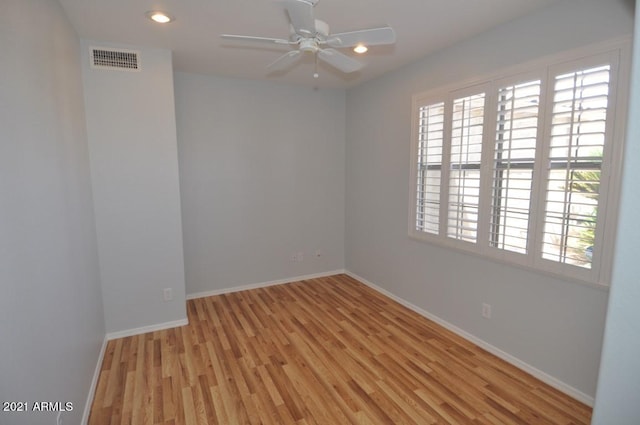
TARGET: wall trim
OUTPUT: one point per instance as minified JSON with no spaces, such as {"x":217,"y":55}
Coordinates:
{"x":94,"y":383}
{"x":146,"y":329}
{"x":263,"y":284}
{"x":543,"y":376}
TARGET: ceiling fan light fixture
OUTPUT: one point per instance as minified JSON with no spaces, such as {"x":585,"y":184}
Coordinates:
{"x":159,"y":17}
{"x":360,"y":49}
{"x":309,"y":45}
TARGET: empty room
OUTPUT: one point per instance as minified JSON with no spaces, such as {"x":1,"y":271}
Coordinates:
{"x":319,"y":212}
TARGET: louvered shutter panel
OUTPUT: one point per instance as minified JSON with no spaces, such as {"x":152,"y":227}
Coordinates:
{"x":578,"y":125}
{"x":430,"y":142}
{"x":464,"y":175}
{"x":513,"y":163}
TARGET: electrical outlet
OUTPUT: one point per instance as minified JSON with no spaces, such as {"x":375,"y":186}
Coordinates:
{"x":319,"y":253}
{"x":486,"y":310}
{"x":300,"y":257}
{"x":167,"y":294}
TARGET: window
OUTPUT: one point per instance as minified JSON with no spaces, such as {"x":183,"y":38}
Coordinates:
{"x":512,"y":166}
{"x":464,"y":175}
{"x":578,"y":129}
{"x":521,"y":168}
{"x":429,"y":167}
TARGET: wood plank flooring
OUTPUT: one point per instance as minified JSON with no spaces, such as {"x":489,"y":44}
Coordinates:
{"x":321,"y":351}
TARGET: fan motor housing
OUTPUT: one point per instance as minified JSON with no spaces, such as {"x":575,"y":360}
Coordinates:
{"x":309,"y":45}
{"x":321,"y":33}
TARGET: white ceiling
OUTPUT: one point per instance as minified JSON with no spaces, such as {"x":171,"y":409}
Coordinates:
{"x":422,"y":27}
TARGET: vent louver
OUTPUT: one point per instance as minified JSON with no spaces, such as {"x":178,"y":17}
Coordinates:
{"x":116,"y":59}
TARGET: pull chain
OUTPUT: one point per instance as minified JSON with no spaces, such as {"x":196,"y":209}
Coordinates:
{"x":315,"y":69}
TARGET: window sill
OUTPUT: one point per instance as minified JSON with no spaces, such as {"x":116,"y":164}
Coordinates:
{"x":461,"y":249}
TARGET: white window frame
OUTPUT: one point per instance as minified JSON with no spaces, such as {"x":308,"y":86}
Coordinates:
{"x":617,"y":54}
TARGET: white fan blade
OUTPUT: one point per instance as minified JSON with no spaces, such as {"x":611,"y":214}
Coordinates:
{"x":284,"y":61}
{"x":301,"y":16}
{"x":339,"y":60}
{"x":370,"y":37}
{"x":252,"y":38}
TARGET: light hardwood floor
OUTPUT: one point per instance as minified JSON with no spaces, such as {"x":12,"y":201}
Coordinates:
{"x":321,"y":351}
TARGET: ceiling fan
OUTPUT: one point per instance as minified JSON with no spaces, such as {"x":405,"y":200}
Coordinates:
{"x":311,"y":35}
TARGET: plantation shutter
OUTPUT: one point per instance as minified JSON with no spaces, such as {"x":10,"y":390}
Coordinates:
{"x":578,"y":125}
{"x":464,"y":175}
{"x":513,"y":163}
{"x":430,"y":144}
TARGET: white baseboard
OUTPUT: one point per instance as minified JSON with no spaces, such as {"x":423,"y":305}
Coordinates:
{"x":262,"y":284}
{"x":543,"y":376}
{"x":94,"y":383}
{"x":145,"y":329}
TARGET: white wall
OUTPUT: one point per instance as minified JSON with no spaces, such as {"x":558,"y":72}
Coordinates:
{"x":51,"y":321}
{"x":134,"y":170}
{"x":617,"y":398}
{"x":553,"y":325}
{"x":262,"y":177}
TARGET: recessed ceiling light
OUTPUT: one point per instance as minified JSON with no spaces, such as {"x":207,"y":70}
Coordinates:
{"x":159,"y":17}
{"x":360,"y":48}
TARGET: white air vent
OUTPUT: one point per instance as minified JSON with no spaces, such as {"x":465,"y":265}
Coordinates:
{"x":117,"y":59}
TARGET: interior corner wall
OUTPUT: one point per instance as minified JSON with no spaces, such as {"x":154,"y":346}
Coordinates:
{"x":619,"y":379}
{"x":553,"y":325}
{"x":134,"y":173}
{"x":262,"y":178}
{"x":51,"y":318}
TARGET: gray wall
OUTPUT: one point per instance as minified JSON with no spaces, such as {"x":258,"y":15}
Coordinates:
{"x":51,"y":321}
{"x":553,"y":325}
{"x":619,"y":382}
{"x":262,"y":177}
{"x":134,"y":171}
